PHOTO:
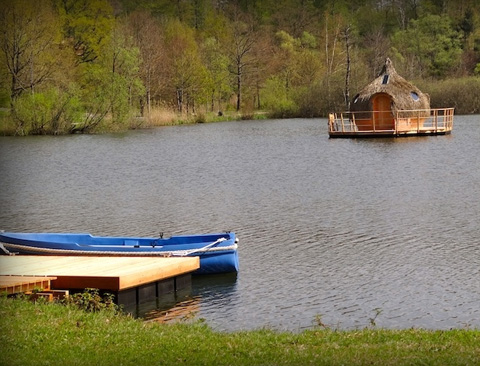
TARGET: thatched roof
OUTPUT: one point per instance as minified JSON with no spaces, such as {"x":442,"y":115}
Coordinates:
{"x":405,"y":96}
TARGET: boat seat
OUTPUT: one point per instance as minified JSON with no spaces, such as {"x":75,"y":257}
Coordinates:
{"x":130,"y":242}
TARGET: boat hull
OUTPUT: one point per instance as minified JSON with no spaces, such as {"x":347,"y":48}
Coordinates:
{"x":217,"y":252}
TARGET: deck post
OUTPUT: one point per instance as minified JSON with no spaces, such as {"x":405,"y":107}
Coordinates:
{"x":331,"y":121}
{"x":418,"y":121}
{"x":450,"y":118}
{"x":395,"y":120}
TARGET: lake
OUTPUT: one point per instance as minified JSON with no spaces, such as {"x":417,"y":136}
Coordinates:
{"x":346,"y":232}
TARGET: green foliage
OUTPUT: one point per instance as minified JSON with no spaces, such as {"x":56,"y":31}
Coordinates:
{"x":4,"y":98}
{"x":431,"y":46}
{"x":125,"y":85}
{"x":308,"y":40}
{"x":319,"y":99}
{"x":29,"y":37}
{"x":96,"y":95}
{"x":90,"y":300}
{"x":109,"y":88}
{"x":217,"y":75}
{"x":87,"y":25}
{"x":189,"y":77}
{"x":276,"y":98}
{"x":298,"y":69}
{"x":48,"y":112}
{"x":463,"y":94}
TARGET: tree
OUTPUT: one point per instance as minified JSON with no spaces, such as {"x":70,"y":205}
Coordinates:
{"x":147,"y":36}
{"x":295,"y":17}
{"x":110,"y":84}
{"x":187,"y":74}
{"x":51,"y":111}
{"x":263,"y":63}
{"x":297,"y":67}
{"x":334,"y":26}
{"x":87,"y":26}
{"x":29,"y":41}
{"x":126,"y":85}
{"x":430,"y":47}
{"x":216,"y":63}
{"x":239,"y":53}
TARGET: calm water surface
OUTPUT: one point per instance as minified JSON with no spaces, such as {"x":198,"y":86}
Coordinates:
{"x":341,"y":229}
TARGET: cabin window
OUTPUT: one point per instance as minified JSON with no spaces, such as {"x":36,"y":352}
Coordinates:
{"x":385,"y":79}
{"x":355,"y":98}
{"x":415,"y":96}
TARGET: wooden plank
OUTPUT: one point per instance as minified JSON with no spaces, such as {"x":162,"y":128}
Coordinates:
{"x":109,"y":273}
{"x":18,"y":284}
{"x":59,"y":294}
{"x":111,"y":283}
{"x":169,"y":269}
{"x":47,"y":296}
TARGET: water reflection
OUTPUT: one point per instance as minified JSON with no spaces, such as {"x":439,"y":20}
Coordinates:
{"x":181,"y":311}
{"x":220,"y":287}
{"x":190,"y":303}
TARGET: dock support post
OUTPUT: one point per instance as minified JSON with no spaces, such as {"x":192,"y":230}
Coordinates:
{"x":151,"y":291}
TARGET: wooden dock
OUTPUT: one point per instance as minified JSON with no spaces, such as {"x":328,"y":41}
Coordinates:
{"x":132,"y":279}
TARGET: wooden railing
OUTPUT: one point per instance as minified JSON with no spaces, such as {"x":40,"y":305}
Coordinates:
{"x":405,"y":122}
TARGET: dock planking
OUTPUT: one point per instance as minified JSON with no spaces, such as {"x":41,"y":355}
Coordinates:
{"x":106,"y":273}
{"x":18,"y":284}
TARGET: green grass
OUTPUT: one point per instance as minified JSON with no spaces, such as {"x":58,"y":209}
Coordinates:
{"x":53,"y":334}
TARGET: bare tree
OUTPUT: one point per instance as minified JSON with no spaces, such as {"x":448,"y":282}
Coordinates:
{"x":147,"y":36}
{"x":347,"y":74}
{"x":27,"y":41}
{"x":242,"y":45}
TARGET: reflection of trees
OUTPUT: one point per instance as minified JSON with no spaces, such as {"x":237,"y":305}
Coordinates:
{"x":182,"y":311}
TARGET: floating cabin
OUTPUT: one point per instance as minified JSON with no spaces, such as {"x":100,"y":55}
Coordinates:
{"x":390,"y":106}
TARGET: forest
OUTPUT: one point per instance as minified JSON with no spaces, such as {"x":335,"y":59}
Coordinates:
{"x":87,"y":66}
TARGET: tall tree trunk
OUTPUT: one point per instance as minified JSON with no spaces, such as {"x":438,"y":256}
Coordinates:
{"x":259,"y":105}
{"x":239,"y":86}
{"x":212,"y":104}
{"x":149,"y":90}
{"x":149,"y":102}
{"x":179,"y":100}
{"x":347,"y":75}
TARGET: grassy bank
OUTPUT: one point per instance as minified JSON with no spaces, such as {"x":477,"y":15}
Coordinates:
{"x":165,"y":117}
{"x":156,"y":118}
{"x":52,"y":334}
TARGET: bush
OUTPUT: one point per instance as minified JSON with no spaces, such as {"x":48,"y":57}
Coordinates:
{"x":319,"y":101}
{"x":277,"y":99}
{"x":48,"y":112}
{"x":462,"y":94}
{"x":91,"y":301}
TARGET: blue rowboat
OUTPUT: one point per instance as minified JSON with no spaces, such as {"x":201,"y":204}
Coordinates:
{"x":217,"y":252}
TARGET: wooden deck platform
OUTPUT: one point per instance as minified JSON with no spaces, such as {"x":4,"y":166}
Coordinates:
{"x":106,"y":273}
{"x":402,"y":123}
